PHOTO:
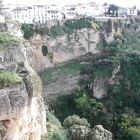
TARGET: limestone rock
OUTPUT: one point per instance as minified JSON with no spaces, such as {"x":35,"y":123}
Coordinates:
{"x":13,"y":101}
{"x":60,"y":85}
{"x":99,"y":133}
{"x":22,"y":111}
{"x":100,"y":87}
{"x":63,"y":49}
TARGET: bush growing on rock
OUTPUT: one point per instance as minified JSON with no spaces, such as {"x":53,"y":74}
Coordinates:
{"x":56,"y":30}
{"x":7,"y":39}
{"x":78,"y":128}
{"x":28,"y":30}
{"x":75,"y":120}
{"x":9,"y":79}
{"x":55,"y":129}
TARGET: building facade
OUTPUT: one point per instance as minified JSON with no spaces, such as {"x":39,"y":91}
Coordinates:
{"x":37,"y":14}
{"x":132,"y":12}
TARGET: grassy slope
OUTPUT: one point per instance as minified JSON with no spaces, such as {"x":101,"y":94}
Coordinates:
{"x":50,"y":73}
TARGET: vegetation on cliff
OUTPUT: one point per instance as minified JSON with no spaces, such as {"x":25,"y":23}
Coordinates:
{"x":9,"y":79}
{"x":56,"y":30}
{"x":7,"y":39}
{"x":68,"y":27}
{"x":55,"y":129}
{"x":118,"y":111}
{"x":51,"y":73}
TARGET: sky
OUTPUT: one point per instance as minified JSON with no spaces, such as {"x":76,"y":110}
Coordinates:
{"x":124,"y":3}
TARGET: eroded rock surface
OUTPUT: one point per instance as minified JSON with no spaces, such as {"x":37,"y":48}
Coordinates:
{"x":99,"y":133}
{"x":63,"y":48}
{"x":22,"y":111}
{"x":63,"y":84}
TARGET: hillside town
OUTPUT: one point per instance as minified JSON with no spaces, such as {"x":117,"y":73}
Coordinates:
{"x":44,"y":13}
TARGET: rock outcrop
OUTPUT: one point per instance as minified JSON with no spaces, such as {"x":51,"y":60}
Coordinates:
{"x":99,"y":133}
{"x":100,"y":87}
{"x":22,"y":111}
{"x":62,"y":49}
{"x":61,"y":85}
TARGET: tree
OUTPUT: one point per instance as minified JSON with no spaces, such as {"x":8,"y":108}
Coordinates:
{"x":75,"y":120}
{"x":79,"y":128}
{"x":28,"y":30}
{"x":103,"y":41}
{"x":113,"y":10}
{"x":56,"y":30}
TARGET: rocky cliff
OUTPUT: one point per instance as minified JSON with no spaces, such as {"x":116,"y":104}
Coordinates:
{"x":22,"y":112}
{"x":63,"y":84}
{"x":62,"y":49}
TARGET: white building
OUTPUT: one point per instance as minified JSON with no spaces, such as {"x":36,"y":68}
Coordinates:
{"x":132,"y":12}
{"x":70,"y":12}
{"x":44,"y":13}
{"x":92,"y":9}
{"x":37,"y":13}
{"x":83,"y":10}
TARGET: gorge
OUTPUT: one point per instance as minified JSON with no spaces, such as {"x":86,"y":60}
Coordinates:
{"x":71,"y":80}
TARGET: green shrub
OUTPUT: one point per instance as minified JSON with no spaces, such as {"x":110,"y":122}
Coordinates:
{"x":78,"y":128}
{"x":28,"y":30}
{"x":9,"y":79}
{"x":41,"y":30}
{"x":7,"y":39}
{"x":134,"y":133}
{"x":75,"y":120}
{"x":103,"y":71}
{"x":78,"y":24}
{"x":55,"y":131}
{"x":65,"y":104}
{"x":56,"y":31}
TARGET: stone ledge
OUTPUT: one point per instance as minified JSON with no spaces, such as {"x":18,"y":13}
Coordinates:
{"x":13,"y":101}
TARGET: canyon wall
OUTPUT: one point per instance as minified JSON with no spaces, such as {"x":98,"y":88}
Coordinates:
{"x":22,"y":108}
{"x":62,"y":49}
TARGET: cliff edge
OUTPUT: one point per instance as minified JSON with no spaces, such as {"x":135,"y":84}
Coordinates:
{"x":22,"y":111}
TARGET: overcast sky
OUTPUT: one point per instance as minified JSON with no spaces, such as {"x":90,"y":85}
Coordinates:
{"x":125,"y":3}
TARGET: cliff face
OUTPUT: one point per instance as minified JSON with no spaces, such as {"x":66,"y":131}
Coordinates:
{"x":63,"y":84}
{"x":22,"y":110}
{"x":64,"y":48}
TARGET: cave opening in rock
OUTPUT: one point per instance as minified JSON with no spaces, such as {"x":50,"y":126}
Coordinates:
{"x":44,"y":50}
